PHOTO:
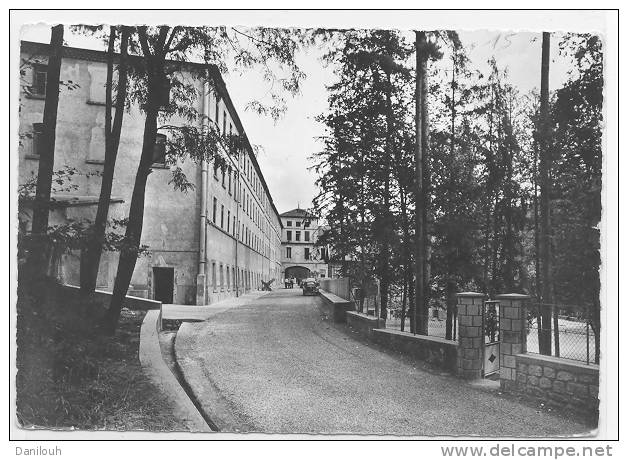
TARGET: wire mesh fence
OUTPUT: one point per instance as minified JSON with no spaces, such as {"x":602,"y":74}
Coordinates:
{"x":565,"y":331}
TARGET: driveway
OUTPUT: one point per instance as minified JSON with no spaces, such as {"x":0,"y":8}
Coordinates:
{"x":279,"y":365}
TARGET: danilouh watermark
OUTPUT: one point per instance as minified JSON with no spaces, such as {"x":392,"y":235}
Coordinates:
{"x":39,"y":451}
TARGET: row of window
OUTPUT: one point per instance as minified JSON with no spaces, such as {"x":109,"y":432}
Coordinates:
{"x":230,"y":225}
{"x":297,"y":235}
{"x":306,"y":223}
{"x":246,"y":201}
{"x":226,"y":278}
{"x":307,"y":253}
{"x":38,"y":146}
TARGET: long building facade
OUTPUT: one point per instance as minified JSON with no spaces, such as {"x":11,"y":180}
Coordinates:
{"x":302,"y":256}
{"x":218,"y":240}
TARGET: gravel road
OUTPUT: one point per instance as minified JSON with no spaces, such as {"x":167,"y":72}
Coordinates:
{"x":279,"y":365}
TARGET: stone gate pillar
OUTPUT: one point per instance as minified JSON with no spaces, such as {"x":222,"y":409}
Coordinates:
{"x":513,"y":336}
{"x":470,"y":334}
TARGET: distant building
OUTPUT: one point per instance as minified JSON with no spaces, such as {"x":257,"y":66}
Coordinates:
{"x":301,"y":256}
{"x":218,"y":240}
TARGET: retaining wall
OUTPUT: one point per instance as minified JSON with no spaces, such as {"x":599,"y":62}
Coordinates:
{"x":364,"y":324}
{"x":337,"y":306}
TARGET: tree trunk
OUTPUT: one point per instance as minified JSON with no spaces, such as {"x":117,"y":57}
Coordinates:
{"x":411,"y":301}
{"x":451,"y":299}
{"x":545,"y":345}
{"x":427,"y":190}
{"x":420,"y":313}
{"x":537,"y":260}
{"x":509,"y":237}
{"x":387,"y":221}
{"x":90,"y":256}
{"x":404,"y":299}
{"x":129,"y":253}
{"x":36,"y":264}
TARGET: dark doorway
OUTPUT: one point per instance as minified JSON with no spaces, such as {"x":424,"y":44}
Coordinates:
{"x":299,"y":273}
{"x":163,"y":283}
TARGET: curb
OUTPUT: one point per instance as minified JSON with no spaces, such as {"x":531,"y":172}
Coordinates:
{"x":160,"y":375}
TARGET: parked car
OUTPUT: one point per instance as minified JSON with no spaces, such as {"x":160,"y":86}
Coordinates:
{"x":310,"y":286}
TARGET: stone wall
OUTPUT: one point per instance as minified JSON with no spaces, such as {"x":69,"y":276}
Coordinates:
{"x":512,"y":334}
{"x":434,"y":350}
{"x":470,"y":335}
{"x":559,"y":382}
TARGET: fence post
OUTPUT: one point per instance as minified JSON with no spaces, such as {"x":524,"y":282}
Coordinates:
{"x":470,"y":334}
{"x":513,"y":336}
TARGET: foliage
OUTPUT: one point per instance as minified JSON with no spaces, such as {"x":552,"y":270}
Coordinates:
{"x":359,"y":170}
{"x":577,"y":205}
{"x":483,"y":167}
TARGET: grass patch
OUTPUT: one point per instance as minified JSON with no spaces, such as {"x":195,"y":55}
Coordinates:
{"x":72,"y":376}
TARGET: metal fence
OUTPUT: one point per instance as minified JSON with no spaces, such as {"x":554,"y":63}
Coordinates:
{"x":565,"y":331}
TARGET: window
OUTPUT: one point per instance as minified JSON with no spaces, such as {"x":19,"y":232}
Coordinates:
{"x":217,"y":109}
{"x":159,"y":150}
{"x":234,"y":226}
{"x":223,"y":176}
{"x":307,"y":253}
{"x":222,"y":279}
{"x":224,"y":122}
{"x":288,"y":253}
{"x":40,"y":72}
{"x":222,"y":215}
{"x":307,"y":236}
{"x":306,"y":224}
{"x":215,"y":208}
{"x":228,"y":220}
{"x":38,"y":139}
{"x":97,"y":84}
{"x":289,"y":235}
{"x":297,"y":236}
{"x":216,"y":166}
{"x":214,"y":275}
{"x":229,"y":181}
{"x":289,"y":223}
{"x":298,"y":224}
{"x":228,"y":280}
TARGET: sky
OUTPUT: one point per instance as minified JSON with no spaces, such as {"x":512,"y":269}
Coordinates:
{"x":286,"y":145}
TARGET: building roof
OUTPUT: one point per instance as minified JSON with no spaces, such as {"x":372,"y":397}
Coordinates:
{"x":297,"y":212}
